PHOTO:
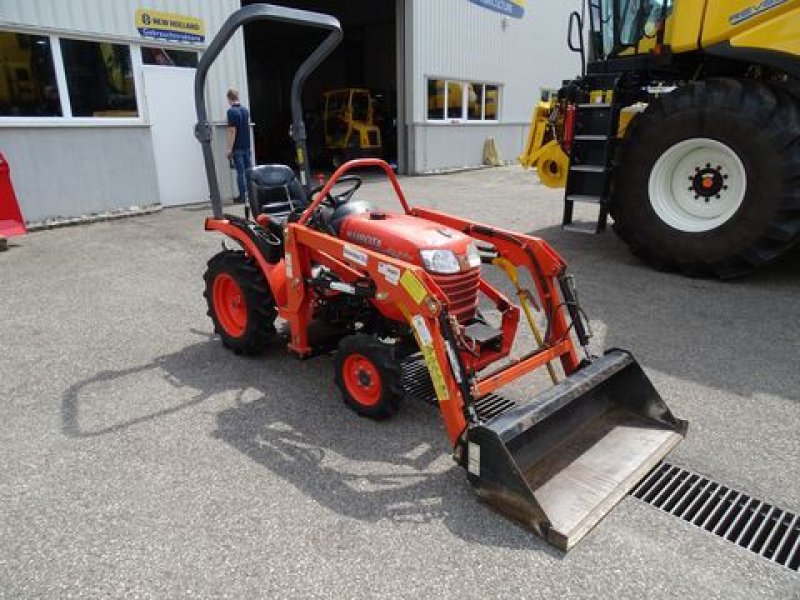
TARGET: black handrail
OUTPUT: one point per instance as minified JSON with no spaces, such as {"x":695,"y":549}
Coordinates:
{"x":575,"y":18}
{"x":260,"y":12}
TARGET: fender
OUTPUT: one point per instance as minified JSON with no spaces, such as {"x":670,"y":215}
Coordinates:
{"x":256,"y":246}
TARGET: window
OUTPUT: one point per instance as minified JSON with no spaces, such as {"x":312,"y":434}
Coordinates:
{"x":99,"y":79}
{"x":475,"y":102}
{"x":491,"y":99}
{"x":436,"y":99}
{"x":360,"y":105}
{"x":455,"y":100}
{"x":27,"y":78}
{"x":462,"y":101}
{"x":169,"y":58}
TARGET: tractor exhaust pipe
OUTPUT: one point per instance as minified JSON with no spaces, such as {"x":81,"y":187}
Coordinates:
{"x":561,"y":462}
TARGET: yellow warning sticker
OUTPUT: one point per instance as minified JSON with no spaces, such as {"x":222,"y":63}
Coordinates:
{"x":425,"y":341}
{"x":413,"y":286}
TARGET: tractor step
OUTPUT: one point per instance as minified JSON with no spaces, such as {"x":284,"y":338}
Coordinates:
{"x":591,"y":163}
{"x":417,"y":384}
{"x":585,"y":227}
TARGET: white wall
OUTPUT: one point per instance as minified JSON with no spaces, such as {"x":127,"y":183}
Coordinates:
{"x":115,"y":19}
{"x":83,"y":155}
{"x":460,"y":40}
{"x":67,"y":172}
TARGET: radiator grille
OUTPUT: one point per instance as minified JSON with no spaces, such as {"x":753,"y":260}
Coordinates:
{"x":461,"y":290}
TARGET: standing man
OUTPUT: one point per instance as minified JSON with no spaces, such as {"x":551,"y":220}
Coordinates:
{"x":238,"y":146}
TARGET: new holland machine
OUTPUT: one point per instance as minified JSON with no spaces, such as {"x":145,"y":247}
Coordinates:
{"x":684,"y":127}
{"x":349,"y":123}
{"x":407,"y":284}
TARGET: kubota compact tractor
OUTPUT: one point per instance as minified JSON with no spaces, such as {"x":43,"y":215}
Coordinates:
{"x":409,"y":282}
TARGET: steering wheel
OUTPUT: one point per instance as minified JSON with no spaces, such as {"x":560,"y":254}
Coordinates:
{"x":336,"y":200}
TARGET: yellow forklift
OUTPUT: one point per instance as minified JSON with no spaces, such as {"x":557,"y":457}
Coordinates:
{"x":350,"y":129}
{"x":684,"y":127}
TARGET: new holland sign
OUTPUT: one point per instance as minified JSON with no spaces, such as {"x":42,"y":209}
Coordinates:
{"x":169,"y":26}
{"x":510,"y":8}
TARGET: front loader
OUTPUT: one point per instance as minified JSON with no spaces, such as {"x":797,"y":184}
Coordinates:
{"x":684,"y":126}
{"x":407,"y":283}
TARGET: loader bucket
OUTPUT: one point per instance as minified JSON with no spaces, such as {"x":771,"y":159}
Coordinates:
{"x":559,"y":463}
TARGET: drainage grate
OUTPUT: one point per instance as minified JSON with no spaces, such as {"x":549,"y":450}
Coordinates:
{"x":764,"y":529}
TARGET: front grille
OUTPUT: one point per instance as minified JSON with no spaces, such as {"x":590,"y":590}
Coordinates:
{"x":461,"y":290}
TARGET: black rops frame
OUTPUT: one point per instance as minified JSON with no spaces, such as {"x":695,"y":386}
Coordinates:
{"x":248,"y":14}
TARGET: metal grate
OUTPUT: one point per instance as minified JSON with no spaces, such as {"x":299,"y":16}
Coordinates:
{"x":417,"y":384}
{"x":753,"y":524}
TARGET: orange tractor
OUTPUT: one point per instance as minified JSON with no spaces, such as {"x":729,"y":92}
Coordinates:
{"x":408,"y":283}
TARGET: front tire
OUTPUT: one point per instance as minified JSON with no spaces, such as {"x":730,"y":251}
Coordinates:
{"x":706,"y":179}
{"x":239,"y":302}
{"x":369,"y":376}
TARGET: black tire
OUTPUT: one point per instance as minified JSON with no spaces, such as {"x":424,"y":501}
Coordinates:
{"x":259,"y":327}
{"x":762,"y":126}
{"x":388,"y":394}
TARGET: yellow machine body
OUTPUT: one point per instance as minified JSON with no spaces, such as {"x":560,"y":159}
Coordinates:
{"x":692,"y":26}
{"x":349,"y":123}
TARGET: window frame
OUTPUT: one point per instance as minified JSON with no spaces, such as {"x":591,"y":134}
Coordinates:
{"x":67,"y":119}
{"x":465,"y":85}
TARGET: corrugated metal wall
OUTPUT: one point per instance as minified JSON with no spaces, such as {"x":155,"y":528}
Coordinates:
{"x":458,"y":39}
{"x":115,"y":19}
{"x":84,"y":155}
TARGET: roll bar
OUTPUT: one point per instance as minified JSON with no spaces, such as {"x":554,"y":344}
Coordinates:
{"x":248,"y":14}
{"x":358,"y":163}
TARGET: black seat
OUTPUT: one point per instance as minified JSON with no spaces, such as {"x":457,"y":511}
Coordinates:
{"x":275,"y":192}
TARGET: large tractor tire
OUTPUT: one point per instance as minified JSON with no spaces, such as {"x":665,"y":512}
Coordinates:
{"x":708,"y":179}
{"x":239,"y":302}
{"x":369,"y":376}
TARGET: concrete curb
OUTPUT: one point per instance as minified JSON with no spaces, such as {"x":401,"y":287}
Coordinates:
{"x":134,"y":211}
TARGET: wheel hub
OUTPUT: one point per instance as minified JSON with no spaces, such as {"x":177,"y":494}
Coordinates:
{"x":717,"y":182}
{"x":708,"y":182}
{"x":362,"y":379}
{"x":229,"y":305}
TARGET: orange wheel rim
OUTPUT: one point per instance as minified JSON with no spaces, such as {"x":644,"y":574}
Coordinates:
{"x":230,"y":305}
{"x":362,"y":379}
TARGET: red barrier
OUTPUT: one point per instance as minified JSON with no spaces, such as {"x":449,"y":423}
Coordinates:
{"x":11,"y":221}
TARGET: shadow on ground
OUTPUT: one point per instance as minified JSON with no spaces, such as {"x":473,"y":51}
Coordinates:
{"x":288,"y":418}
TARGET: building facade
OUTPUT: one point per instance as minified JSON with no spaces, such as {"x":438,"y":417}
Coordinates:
{"x":96,"y":101}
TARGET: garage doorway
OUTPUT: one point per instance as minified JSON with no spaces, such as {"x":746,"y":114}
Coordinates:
{"x":367,"y":59}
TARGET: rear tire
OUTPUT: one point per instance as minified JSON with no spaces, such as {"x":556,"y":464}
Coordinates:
{"x":239,"y":302}
{"x":735,"y":218}
{"x":369,"y":376}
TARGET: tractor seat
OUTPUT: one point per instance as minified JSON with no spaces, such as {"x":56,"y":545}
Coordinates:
{"x":275,"y":192}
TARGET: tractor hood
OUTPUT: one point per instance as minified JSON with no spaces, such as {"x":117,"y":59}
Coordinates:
{"x":403,"y":236}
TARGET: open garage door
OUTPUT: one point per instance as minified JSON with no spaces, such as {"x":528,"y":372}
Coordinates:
{"x":351,"y":101}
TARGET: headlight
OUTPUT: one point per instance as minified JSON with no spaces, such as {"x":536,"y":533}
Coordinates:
{"x":473,"y":256}
{"x":440,"y":261}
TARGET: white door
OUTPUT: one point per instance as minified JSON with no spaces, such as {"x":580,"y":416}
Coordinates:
{"x":179,"y":159}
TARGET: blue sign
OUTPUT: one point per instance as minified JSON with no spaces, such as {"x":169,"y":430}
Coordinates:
{"x":510,"y":8}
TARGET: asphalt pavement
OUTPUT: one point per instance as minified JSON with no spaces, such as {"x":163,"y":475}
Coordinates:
{"x":140,"y":458}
